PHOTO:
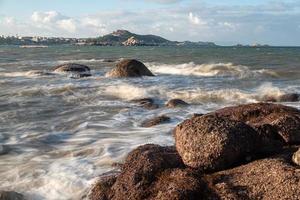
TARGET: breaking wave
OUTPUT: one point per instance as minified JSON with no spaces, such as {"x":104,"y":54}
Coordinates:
{"x":213,"y":69}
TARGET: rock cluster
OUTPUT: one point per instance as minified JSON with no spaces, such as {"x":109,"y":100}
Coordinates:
{"x":216,"y":156}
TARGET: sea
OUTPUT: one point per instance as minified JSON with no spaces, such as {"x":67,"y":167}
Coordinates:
{"x":59,"y":133}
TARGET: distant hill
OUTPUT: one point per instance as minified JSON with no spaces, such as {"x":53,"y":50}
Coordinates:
{"x":126,"y":38}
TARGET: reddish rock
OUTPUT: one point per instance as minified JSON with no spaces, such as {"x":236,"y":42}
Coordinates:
{"x":211,"y":143}
{"x":285,"y":120}
{"x":270,"y":178}
{"x":129,"y":68}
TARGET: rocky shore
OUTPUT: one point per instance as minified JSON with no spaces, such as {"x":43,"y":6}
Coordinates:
{"x":247,"y":151}
{"x":242,"y":152}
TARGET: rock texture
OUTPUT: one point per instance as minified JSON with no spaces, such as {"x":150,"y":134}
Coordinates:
{"x":211,"y":143}
{"x":155,"y":121}
{"x":11,"y":195}
{"x":285,"y":120}
{"x":129,"y":68}
{"x":270,"y":178}
{"x":296,"y":157}
{"x":176,"y":103}
{"x":76,"y":69}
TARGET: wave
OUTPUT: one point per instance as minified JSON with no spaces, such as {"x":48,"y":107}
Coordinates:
{"x":212,"y":69}
{"x":196,"y":95}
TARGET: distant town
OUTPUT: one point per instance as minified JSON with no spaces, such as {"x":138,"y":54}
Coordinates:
{"x":117,"y":38}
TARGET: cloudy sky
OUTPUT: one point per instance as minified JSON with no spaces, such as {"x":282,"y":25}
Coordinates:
{"x":222,"y":21}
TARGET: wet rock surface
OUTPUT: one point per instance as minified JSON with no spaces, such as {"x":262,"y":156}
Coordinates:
{"x":11,"y":195}
{"x":285,"y":120}
{"x":269,"y":178}
{"x":129,"y":68}
{"x":211,"y":143}
{"x":155,"y":121}
{"x":4,"y":149}
{"x":173,"y":103}
{"x":73,"y":68}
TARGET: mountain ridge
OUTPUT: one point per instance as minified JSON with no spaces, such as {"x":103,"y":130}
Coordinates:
{"x":127,"y":38}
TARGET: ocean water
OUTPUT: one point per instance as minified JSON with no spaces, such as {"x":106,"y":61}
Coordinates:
{"x":61,"y":133}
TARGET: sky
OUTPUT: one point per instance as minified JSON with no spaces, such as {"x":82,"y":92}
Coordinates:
{"x":225,"y":22}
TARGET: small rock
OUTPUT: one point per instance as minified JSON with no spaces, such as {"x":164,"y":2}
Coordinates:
{"x":129,"y":68}
{"x":176,"y":103}
{"x":147,"y":103}
{"x":155,"y":121}
{"x":296,"y":157}
{"x":11,"y":195}
{"x":290,"y":97}
{"x":4,"y":149}
{"x":211,"y":143}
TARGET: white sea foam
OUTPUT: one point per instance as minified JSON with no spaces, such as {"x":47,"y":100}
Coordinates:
{"x":209,"y":69}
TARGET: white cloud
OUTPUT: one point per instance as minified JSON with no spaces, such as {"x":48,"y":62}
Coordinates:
{"x":194,"y":19}
{"x":46,"y":17}
{"x":67,"y":24}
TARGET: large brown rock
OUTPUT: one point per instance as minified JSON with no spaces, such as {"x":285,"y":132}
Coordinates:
{"x":129,"y":68}
{"x":211,"y":143}
{"x":143,"y":173}
{"x":73,"y":68}
{"x":285,"y":120}
{"x":270,"y":178}
{"x":11,"y":195}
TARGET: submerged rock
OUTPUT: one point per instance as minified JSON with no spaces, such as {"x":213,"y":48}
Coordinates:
{"x":73,"y":68}
{"x":155,"y":121}
{"x":3,"y":149}
{"x":129,"y":68}
{"x":39,"y":73}
{"x":147,"y":103}
{"x":176,"y":103}
{"x":284,"y":119}
{"x":270,"y":178}
{"x":211,"y":143}
{"x":11,"y":195}
{"x":290,"y":97}
{"x":296,"y":157}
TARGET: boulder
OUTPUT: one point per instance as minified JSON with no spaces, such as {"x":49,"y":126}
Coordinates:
{"x":269,"y":178}
{"x":101,"y":189}
{"x":211,"y":143}
{"x":284,"y":119}
{"x":147,"y":103}
{"x":129,"y":68}
{"x":11,"y":195}
{"x":141,"y":170}
{"x":296,"y":157}
{"x":176,"y":103}
{"x":74,"y":69}
{"x":155,"y":121}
